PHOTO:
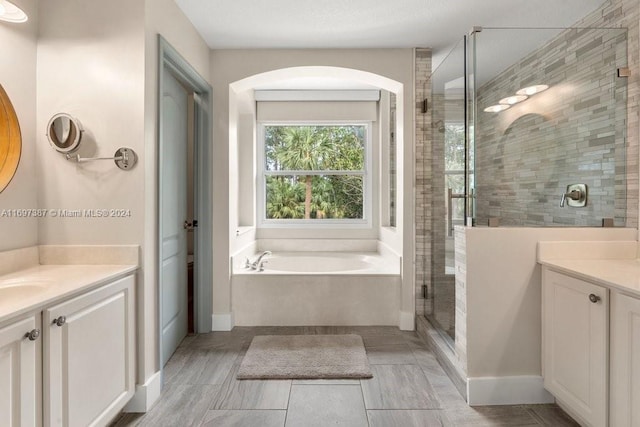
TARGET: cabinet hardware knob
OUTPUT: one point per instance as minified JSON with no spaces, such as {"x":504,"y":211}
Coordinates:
{"x":60,"y":321}
{"x":594,"y":298}
{"x":33,"y":334}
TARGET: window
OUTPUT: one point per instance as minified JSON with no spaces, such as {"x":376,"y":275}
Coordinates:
{"x":314,"y":174}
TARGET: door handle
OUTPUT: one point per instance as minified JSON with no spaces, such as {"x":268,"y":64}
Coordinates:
{"x":450,"y":196}
{"x":190,"y":225}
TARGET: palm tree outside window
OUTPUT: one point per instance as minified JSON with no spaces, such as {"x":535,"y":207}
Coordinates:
{"x":314,"y":172}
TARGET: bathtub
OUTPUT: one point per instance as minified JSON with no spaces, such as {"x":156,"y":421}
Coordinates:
{"x":317,"y":263}
{"x":317,"y":288}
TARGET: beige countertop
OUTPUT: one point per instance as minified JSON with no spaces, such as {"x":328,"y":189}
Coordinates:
{"x":34,"y":288}
{"x":613,"y":265}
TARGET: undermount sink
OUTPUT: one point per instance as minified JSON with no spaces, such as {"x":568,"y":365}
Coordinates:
{"x":19,"y":288}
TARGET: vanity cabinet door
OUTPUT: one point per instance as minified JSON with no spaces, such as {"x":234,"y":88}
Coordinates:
{"x":625,"y":361}
{"x":89,"y":349}
{"x":575,"y":346}
{"x":20,"y":373}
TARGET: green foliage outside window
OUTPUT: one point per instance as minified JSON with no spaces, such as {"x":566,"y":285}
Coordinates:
{"x":334,"y":157}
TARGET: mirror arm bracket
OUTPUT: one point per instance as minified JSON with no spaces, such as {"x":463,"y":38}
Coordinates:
{"x":124,"y":158}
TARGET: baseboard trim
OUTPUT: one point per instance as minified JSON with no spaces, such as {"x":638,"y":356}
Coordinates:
{"x":145,"y":395}
{"x":222,"y":322}
{"x":516,"y":390}
{"x":407,"y":321}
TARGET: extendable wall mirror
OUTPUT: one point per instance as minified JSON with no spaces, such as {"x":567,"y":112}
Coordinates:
{"x":10,"y":140}
{"x":64,"y":133}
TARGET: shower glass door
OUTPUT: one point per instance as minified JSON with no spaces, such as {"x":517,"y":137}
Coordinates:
{"x":449,"y":183}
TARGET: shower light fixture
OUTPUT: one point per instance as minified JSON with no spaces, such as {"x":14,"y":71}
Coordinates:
{"x":532,"y":90}
{"x":9,"y":12}
{"x":512,"y":100}
{"x":497,"y":108}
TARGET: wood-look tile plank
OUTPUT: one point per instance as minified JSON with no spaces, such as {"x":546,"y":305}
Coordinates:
{"x":244,"y":418}
{"x":393,"y":354}
{"x":180,"y":405}
{"x":488,"y":416}
{"x":407,"y":418}
{"x":383,"y":340}
{"x":326,"y":405}
{"x":551,"y":415}
{"x":251,"y":394}
{"x":398,"y":387}
{"x":206,"y":365}
{"x":327,"y":382}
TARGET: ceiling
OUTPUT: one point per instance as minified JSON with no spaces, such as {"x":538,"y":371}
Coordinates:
{"x":439,"y":24}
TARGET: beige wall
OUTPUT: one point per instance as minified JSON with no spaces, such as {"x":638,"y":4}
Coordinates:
{"x":98,"y":63}
{"x":229,"y":66}
{"x":503,"y":320}
{"x":18,"y":77}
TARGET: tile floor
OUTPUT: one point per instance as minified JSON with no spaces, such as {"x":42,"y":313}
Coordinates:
{"x":409,"y":388}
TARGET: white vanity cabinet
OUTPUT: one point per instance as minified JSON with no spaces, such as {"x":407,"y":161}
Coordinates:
{"x":89,"y":362}
{"x":625,"y":360}
{"x":20,"y":373}
{"x":575,"y":346}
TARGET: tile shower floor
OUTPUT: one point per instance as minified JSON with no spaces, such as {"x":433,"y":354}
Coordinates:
{"x":409,"y":388}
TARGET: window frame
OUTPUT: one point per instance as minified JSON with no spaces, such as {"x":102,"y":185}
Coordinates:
{"x":261,"y":174}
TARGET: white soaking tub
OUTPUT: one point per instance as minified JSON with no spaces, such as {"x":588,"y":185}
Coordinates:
{"x":317,"y":288}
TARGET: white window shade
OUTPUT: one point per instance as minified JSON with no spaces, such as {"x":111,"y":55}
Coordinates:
{"x":314,"y":111}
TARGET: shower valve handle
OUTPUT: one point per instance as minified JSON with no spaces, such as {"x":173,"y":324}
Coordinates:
{"x":573,"y":195}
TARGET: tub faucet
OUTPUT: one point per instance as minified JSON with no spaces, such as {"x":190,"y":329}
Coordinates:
{"x":255,"y":264}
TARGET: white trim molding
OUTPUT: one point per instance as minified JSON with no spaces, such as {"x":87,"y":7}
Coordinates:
{"x":145,"y":395}
{"x":407,"y":321}
{"x":222,"y":322}
{"x":517,"y":390}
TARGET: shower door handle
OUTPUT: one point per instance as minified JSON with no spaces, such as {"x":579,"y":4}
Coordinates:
{"x":450,"y":196}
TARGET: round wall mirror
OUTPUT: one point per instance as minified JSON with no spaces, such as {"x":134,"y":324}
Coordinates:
{"x":64,"y":133}
{"x":10,"y":140}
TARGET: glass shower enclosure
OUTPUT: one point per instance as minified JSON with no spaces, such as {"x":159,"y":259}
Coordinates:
{"x":518,"y":116}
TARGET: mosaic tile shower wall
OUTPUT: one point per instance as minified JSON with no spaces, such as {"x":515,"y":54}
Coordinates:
{"x":578,"y":131}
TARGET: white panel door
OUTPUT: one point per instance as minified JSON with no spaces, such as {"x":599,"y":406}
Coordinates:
{"x":173,"y":205}
{"x":90,"y":347}
{"x":575,"y":350}
{"x":20,"y":371}
{"x":625,"y":361}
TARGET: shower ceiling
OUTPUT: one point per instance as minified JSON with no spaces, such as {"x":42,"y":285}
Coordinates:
{"x":231,"y":24}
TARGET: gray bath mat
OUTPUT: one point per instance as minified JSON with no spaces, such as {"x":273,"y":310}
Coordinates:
{"x":305,"y":357}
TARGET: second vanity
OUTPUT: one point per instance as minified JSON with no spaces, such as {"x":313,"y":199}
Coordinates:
{"x":591,"y":330}
{"x":67,"y":335}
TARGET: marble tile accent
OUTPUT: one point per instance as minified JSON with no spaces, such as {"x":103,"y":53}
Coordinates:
{"x":424,"y":176}
{"x":398,"y":387}
{"x":252,"y":394}
{"x":407,"y":418}
{"x":89,"y":254}
{"x":18,"y":259}
{"x":323,"y":405}
{"x":244,"y":418}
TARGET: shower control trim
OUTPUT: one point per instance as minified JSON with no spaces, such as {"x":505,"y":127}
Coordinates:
{"x":575,"y":196}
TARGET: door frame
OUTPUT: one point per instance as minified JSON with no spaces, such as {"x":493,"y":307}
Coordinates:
{"x":170,"y":61}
